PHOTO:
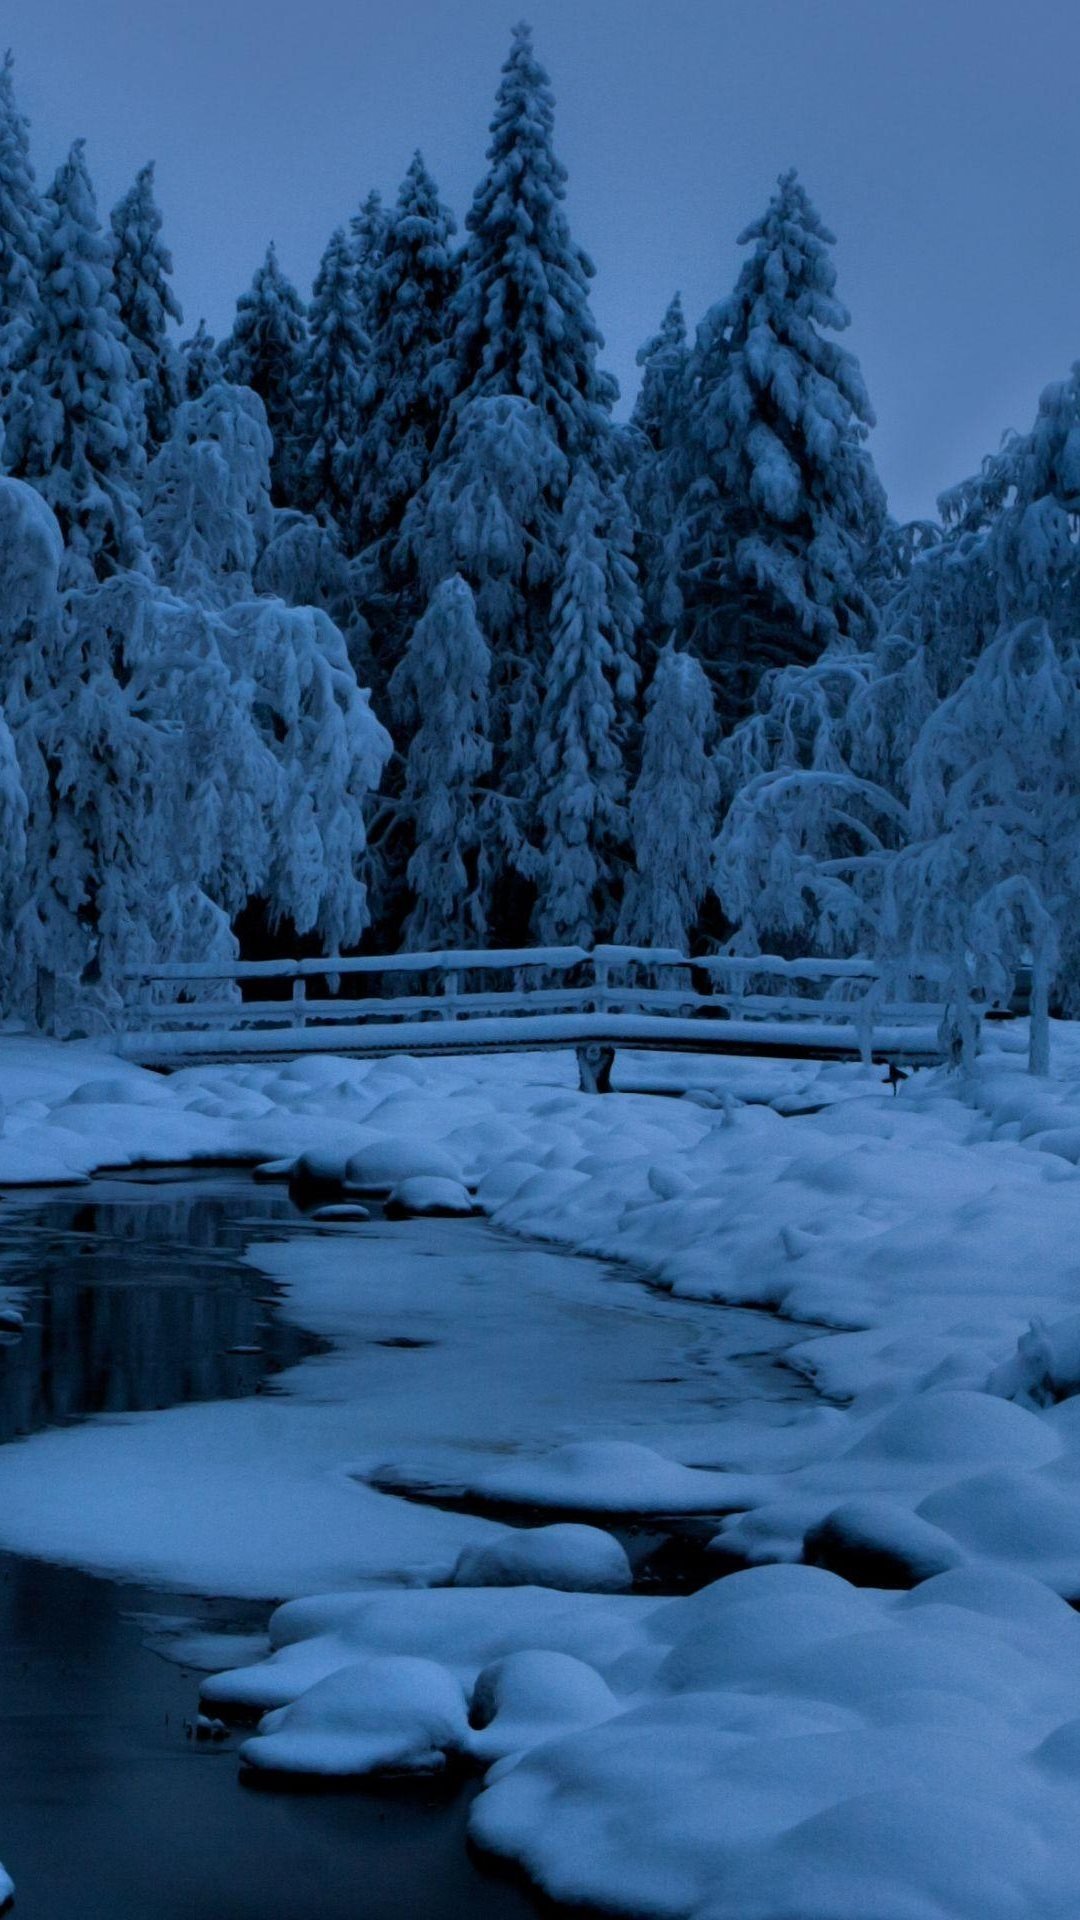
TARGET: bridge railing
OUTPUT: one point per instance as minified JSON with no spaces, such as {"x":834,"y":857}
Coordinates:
{"x":453,"y":985}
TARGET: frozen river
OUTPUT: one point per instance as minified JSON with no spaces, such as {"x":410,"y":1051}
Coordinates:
{"x":437,"y":1342}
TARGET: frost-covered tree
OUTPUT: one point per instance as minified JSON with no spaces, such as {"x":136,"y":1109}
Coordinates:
{"x":486,"y":512}
{"x":311,"y":717}
{"x":663,"y":361}
{"x":406,"y":395}
{"x":200,"y":363}
{"x":780,"y":511}
{"x":528,"y":412}
{"x":266,"y":351}
{"x":367,"y":232}
{"x":810,"y":833}
{"x":651,"y":441}
{"x":1010,"y":550}
{"x":673,"y":808}
{"x":589,"y":685}
{"x":142,"y":269}
{"x":439,"y":693}
{"x":207,"y":496}
{"x":20,"y":229}
{"x":74,"y":418}
{"x":178,"y":756}
{"x":995,"y":797}
{"x":522,"y":322}
{"x":332,"y":384}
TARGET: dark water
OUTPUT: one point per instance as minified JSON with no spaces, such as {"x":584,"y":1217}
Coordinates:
{"x":138,"y":1299}
{"x":108,"y":1810}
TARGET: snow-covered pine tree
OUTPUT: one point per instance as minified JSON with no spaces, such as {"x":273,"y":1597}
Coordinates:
{"x":200,"y":363}
{"x":650,"y":441}
{"x":266,"y":351}
{"x":207,"y":497}
{"x":1010,"y":551}
{"x":141,"y":275}
{"x":439,"y":693}
{"x":367,"y":231}
{"x":589,"y":685}
{"x":487,"y":511}
{"x":405,"y":396}
{"x":332,"y":384}
{"x":74,"y":419}
{"x":529,"y":408}
{"x":673,"y":808}
{"x":663,"y":361}
{"x":995,"y":797}
{"x":20,"y":229}
{"x":780,"y":510}
{"x":522,"y":321}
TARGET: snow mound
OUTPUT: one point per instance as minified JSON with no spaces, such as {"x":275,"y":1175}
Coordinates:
{"x":528,"y":1698}
{"x":610,"y":1476}
{"x":900,"y":1756}
{"x":398,"y":1715}
{"x":428,"y":1194}
{"x":386,"y":1163}
{"x":574,"y":1559}
{"x":879,"y":1543}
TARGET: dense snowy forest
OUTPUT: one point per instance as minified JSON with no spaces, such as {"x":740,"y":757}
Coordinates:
{"x":372,"y":623}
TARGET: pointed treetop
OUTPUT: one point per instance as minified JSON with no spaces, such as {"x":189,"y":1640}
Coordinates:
{"x":406,"y":389}
{"x":20,"y":222}
{"x":663,"y":360}
{"x":368,"y":228}
{"x":788,"y":286}
{"x":141,"y":276}
{"x":74,"y":420}
{"x":332,"y":381}
{"x":523,"y":322}
{"x":265,"y":351}
{"x":200,"y":362}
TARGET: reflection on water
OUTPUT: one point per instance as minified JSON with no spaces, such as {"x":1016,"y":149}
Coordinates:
{"x":137,"y":1298}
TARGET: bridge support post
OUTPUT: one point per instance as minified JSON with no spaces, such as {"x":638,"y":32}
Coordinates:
{"x":594,"y":1068}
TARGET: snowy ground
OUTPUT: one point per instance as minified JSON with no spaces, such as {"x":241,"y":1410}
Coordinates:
{"x":782,"y":1742}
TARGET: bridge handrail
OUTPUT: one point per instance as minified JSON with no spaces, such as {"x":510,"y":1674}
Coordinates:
{"x":812,"y":969}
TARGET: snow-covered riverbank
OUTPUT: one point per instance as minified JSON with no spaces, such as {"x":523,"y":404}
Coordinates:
{"x":809,"y":1721}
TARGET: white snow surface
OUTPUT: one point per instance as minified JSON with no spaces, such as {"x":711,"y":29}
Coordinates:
{"x":781,"y":1742}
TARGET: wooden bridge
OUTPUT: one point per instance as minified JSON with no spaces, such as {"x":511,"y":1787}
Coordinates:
{"x":592,"y":1001}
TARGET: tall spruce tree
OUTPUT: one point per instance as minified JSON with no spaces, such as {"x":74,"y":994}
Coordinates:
{"x":332,"y":385}
{"x":439,"y":693}
{"x":673,"y":808}
{"x":74,"y":426}
{"x":406,"y":396}
{"x":522,"y":322}
{"x":20,"y":230}
{"x":589,"y":685}
{"x":654,"y":425}
{"x":141,"y":274}
{"x":266,"y":351}
{"x":200,"y":363}
{"x":663,"y":365}
{"x":780,"y":510}
{"x":529,"y":410}
{"x":367,"y":232}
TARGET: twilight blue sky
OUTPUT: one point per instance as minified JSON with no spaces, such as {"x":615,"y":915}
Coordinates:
{"x":939,"y":138}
